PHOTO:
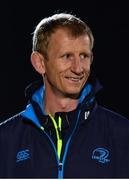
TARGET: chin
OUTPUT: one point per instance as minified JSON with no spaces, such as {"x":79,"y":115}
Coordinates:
{"x":73,"y":94}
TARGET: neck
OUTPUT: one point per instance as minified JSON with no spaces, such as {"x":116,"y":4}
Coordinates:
{"x":54,"y":104}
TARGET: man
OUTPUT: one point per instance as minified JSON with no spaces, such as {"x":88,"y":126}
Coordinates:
{"x":63,"y":132}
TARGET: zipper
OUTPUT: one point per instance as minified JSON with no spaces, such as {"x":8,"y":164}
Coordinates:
{"x":68,"y":143}
{"x":59,"y":164}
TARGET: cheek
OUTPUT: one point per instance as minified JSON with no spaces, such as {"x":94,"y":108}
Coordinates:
{"x":50,"y":69}
{"x":53,"y":74}
{"x":87,"y":68}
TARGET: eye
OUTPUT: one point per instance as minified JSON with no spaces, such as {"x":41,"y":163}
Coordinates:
{"x":67,"y":56}
{"x":84,"y":56}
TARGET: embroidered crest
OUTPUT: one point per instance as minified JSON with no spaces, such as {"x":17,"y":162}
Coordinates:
{"x":101,"y":155}
{"x":23,"y":155}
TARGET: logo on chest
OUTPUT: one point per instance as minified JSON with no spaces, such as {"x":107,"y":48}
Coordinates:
{"x":101,"y":155}
{"x":23,"y":155}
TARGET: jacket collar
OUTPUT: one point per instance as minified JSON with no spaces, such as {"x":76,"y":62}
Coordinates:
{"x":35,"y":95}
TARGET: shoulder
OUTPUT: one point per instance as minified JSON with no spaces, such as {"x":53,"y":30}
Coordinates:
{"x":10,"y":121}
{"x":110,"y":114}
{"x":11,"y":125}
{"x":115,"y":125}
{"x":113,"y":120}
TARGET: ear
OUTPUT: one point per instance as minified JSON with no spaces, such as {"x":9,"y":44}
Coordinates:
{"x":37,"y":61}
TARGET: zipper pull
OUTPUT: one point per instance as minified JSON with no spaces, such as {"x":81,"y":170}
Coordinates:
{"x":60,"y":171}
{"x":60,"y":166}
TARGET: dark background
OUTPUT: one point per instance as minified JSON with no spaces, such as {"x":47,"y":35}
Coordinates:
{"x":109,"y":21}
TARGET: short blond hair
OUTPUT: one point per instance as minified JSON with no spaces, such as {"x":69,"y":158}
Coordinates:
{"x":49,"y":25}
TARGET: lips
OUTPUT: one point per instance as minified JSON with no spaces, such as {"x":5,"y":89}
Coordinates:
{"x":74,"y":79}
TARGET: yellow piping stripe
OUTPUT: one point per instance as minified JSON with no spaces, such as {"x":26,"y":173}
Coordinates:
{"x":59,"y":140}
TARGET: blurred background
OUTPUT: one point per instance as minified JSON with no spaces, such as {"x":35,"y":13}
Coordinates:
{"x":109,"y":21}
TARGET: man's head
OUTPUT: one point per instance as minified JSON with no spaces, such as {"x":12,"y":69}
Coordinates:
{"x":62,"y":53}
{"x":48,"y":26}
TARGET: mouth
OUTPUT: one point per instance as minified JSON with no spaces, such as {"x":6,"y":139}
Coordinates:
{"x":75,"y":79}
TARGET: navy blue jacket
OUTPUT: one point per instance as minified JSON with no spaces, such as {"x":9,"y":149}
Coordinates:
{"x":95,"y":141}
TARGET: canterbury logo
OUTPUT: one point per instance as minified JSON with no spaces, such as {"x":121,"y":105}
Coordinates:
{"x":23,"y":155}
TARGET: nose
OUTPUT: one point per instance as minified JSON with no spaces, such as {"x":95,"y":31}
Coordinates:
{"x":77,"y":66}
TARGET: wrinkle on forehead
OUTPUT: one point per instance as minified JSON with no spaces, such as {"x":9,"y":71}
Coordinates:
{"x":63,"y":40}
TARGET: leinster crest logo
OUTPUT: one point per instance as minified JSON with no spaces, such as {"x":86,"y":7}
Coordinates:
{"x":101,"y":155}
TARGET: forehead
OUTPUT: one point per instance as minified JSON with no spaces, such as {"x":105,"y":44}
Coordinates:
{"x":62,"y":37}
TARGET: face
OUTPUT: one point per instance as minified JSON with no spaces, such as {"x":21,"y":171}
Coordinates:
{"x":68,"y":65}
